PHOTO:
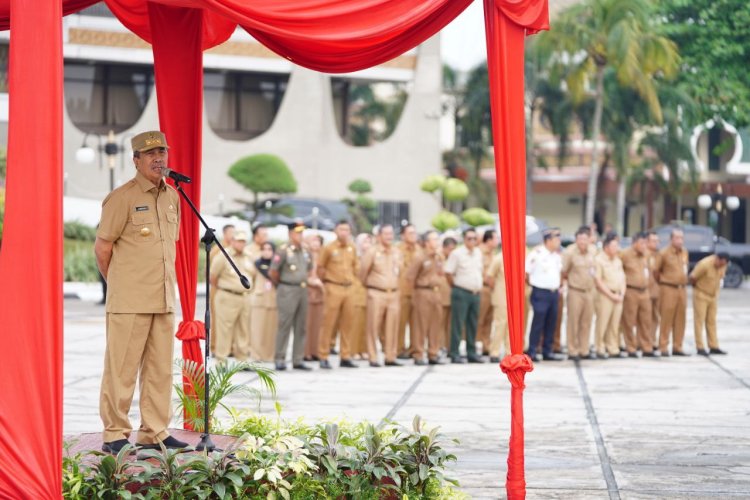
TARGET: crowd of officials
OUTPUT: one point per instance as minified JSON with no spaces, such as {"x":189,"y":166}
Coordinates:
{"x":382,"y":301}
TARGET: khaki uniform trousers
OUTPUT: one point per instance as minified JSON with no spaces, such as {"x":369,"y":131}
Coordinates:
{"x":142,"y":346}
{"x":382,"y":315}
{"x":406,"y":316}
{"x":428,"y":319}
{"x":704,"y":313}
{"x":608,"y":315}
{"x":446,"y":327}
{"x":484,"y":321}
{"x":359,"y":330}
{"x":315,"y":312}
{"x":500,"y":333}
{"x":580,"y":314}
{"x":264,"y":322}
{"x":636,"y":313}
{"x":339,"y":312}
{"x":232,"y":325}
{"x":655,"y":316}
{"x":673,"y":312}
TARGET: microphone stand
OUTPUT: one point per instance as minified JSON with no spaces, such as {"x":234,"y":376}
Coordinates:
{"x":209,"y":238}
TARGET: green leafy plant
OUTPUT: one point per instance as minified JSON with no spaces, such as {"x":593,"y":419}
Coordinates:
{"x":363,"y":209}
{"x":220,"y":379}
{"x":445,"y":220}
{"x":422,"y":456}
{"x":76,"y":230}
{"x":110,"y":476}
{"x":477,"y":217}
{"x":263,"y":173}
{"x":79,"y":263}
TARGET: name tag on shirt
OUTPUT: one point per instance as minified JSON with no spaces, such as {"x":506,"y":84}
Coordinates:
{"x":141,"y":209}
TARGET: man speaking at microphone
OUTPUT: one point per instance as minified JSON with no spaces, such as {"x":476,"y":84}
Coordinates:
{"x":135,"y":250}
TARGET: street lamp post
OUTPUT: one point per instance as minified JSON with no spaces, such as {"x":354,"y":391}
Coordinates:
{"x":719,"y":203}
{"x":110,"y":149}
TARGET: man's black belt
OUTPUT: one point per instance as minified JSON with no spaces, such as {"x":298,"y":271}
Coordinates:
{"x":337,"y":283}
{"x":673,"y":285}
{"x":467,"y":290}
{"x":301,"y":284}
{"x":387,"y":290}
{"x":637,"y":288}
{"x":232,"y":291}
{"x":551,"y":290}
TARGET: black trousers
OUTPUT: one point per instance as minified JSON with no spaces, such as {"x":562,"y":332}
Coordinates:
{"x":544,"y":303}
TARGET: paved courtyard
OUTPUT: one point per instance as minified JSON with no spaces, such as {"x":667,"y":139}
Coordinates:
{"x":624,"y":428}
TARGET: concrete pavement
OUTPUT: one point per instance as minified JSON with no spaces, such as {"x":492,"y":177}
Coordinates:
{"x":624,"y":428}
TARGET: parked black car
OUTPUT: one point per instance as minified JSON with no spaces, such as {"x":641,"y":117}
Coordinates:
{"x":700,"y":241}
{"x":286,"y":210}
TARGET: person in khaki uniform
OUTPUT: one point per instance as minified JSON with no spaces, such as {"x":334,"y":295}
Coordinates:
{"x":426,"y":274}
{"x":379,"y":272}
{"x":652,"y":243}
{"x":315,"y":301}
{"x":610,"y":281}
{"x":359,"y":321}
{"x":636,"y":309}
{"x":706,"y":278}
{"x":672,"y":274}
{"x":232,"y":318}
{"x":579,"y":270}
{"x":291,"y":271}
{"x":135,"y":252}
{"x":495,"y":276}
{"x":449,"y":244}
{"x":410,"y":251}
{"x":264,"y":315}
{"x":227,"y":233}
{"x":490,"y":241}
{"x":260,"y":236}
{"x":337,"y":268}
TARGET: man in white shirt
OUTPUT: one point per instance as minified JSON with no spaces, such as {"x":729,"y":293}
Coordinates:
{"x":464,"y":269}
{"x":543,"y":272}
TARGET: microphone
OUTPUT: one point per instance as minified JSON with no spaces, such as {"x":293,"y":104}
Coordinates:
{"x":175,"y":176}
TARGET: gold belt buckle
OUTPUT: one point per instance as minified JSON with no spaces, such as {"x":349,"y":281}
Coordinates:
{"x":303,"y":284}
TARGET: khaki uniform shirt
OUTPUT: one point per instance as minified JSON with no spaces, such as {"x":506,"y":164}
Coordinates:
{"x":380,"y":268}
{"x":654,"y":263}
{"x":408,"y":255}
{"x":579,"y":267}
{"x":496,"y":271}
{"x":143,"y":222}
{"x":253,"y":250}
{"x":636,"y":268}
{"x":226,"y":278}
{"x":293,"y":264}
{"x":673,"y":266}
{"x":445,"y":287}
{"x":466,"y":268}
{"x":610,"y":272}
{"x":340,"y":263}
{"x":426,"y":271}
{"x":707,"y":276}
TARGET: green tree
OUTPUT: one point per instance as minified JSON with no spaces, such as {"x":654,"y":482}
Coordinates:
{"x":362,"y":207}
{"x":369,"y":110}
{"x":714,"y":41}
{"x":596,"y":35}
{"x":263,"y":173}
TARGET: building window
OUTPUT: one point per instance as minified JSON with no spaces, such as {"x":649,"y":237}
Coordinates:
{"x":101,"y":97}
{"x":240,"y":106}
{"x":4,"y":50}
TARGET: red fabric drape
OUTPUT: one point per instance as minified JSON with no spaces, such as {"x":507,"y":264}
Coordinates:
{"x":31,"y":259}
{"x":506,"y":23}
{"x":68,"y":7}
{"x":178,"y":72}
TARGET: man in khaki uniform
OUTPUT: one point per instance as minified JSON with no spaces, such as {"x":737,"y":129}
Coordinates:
{"x":706,"y":279}
{"x":233,"y":302}
{"x":490,"y":241}
{"x":379,"y":272}
{"x":495,"y":277}
{"x":315,"y":300}
{"x":227,"y":233}
{"x":449,"y":244}
{"x":135,"y":251}
{"x":359,"y":323}
{"x":338,"y":267}
{"x":426,"y":274}
{"x":410,"y":250}
{"x":610,"y":281}
{"x":260,"y":236}
{"x":579,"y":270}
{"x":672,"y":274}
{"x":654,"y":257}
{"x":636,"y":309}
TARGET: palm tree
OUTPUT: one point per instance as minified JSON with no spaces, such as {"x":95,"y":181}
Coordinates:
{"x":597,"y":35}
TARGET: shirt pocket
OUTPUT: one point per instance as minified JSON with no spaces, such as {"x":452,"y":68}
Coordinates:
{"x":143,"y":226}
{"x":173,"y":222}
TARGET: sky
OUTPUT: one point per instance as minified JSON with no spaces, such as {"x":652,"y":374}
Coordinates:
{"x":462,"y":41}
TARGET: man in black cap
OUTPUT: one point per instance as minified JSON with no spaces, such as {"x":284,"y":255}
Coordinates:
{"x":291,"y":268}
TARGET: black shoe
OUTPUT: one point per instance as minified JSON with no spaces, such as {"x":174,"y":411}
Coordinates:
{"x":393,"y":363}
{"x":475,"y":359}
{"x":665,"y":353}
{"x":333,"y":351}
{"x":436,"y":361}
{"x":375,"y":364}
{"x":280,"y":366}
{"x":485,"y":353}
{"x":347,"y":363}
{"x":652,"y":354}
{"x":573,"y":358}
{"x":495,"y":359}
{"x":420,"y":362}
{"x":702,"y":352}
{"x":169,"y":443}
{"x":325,"y":365}
{"x":458,"y":360}
{"x":114,"y":447}
{"x":633,"y":354}
{"x":404,"y":355}
{"x":552,"y":357}
{"x":302,"y":366}
{"x":679,"y":353}
{"x":717,"y":351}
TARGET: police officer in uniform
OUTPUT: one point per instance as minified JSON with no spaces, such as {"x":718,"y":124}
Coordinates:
{"x":410,"y":251}
{"x":673,"y":279}
{"x":290,"y":270}
{"x":706,"y":278}
{"x":135,"y":251}
{"x":636,"y":309}
{"x":490,"y":241}
{"x":426,"y":273}
{"x":500,"y":333}
{"x":654,"y":258}
{"x":337,"y":267}
{"x":610,"y":281}
{"x":543,"y":273}
{"x":578,"y":269}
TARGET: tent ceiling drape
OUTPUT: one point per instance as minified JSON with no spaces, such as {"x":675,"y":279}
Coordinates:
{"x":324,"y":35}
